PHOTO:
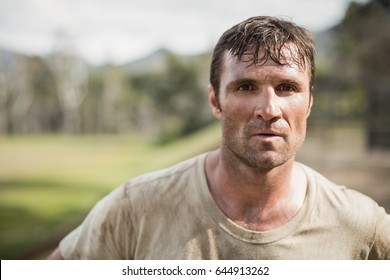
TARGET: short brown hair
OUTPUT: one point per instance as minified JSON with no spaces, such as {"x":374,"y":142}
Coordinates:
{"x":270,"y":33}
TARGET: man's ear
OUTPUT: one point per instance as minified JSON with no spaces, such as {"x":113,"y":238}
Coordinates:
{"x":213,"y":101}
{"x":310,"y":104}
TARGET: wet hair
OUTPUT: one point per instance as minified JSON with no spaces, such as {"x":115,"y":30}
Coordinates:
{"x":271,"y":34}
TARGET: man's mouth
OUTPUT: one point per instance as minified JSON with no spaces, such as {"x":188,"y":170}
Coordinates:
{"x":268,"y":133}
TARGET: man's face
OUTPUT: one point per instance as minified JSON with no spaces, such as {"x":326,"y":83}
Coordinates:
{"x":263,"y":110}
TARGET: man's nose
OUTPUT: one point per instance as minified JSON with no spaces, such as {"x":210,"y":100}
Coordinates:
{"x":268,"y":105}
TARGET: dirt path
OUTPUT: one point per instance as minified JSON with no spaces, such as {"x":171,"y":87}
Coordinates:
{"x":340,"y":154}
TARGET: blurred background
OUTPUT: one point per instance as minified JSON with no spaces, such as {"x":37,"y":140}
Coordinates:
{"x":93,"y":93}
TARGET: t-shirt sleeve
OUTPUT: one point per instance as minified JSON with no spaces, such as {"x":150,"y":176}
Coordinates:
{"x":106,"y":233}
{"x":381,"y":245}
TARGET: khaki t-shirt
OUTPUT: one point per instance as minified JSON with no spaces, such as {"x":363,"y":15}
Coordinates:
{"x":170,"y":214}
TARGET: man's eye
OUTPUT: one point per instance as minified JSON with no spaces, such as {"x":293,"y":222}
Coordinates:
{"x":286,"y":88}
{"x":245,"y":87}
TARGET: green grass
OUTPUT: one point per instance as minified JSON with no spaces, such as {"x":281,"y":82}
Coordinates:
{"x":48,"y":183}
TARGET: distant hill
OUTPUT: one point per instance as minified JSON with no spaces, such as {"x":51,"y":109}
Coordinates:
{"x":155,"y":61}
{"x":7,"y":57}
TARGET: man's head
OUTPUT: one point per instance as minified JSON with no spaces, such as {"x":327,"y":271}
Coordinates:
{"x":263,"y":32}
{"x":261,"y":79}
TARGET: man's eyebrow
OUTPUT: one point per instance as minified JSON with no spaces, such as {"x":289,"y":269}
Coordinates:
{"x":289,"y":81}
{"x":241,"y":81}
{"x":297,"y":83}
{"x":254,"y":81}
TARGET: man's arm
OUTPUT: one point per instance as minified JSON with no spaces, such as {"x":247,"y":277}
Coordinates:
{"x":56,"y":255}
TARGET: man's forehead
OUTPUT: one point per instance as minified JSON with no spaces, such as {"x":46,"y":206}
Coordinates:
{"x":235,"y":68}
{"x":287,"y":56}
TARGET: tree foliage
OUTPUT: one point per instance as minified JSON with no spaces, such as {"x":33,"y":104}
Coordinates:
{"x":178,"y":98}
{"x":365,"y":55}
{"x":61,"y":94}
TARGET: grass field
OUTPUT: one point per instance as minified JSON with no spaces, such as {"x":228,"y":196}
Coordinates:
{"x":48,"y":183}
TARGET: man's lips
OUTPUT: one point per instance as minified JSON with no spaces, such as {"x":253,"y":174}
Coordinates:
{"x":268,"y":133}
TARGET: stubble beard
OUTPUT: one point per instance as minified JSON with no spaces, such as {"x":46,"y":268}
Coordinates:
{"x":263,"y":160}
{"x":264,"y":156}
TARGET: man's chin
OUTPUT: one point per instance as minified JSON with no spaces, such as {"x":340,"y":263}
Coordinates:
{"x":269,"y":160}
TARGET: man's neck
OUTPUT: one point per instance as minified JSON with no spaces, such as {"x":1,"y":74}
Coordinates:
{"x":253,"y":198}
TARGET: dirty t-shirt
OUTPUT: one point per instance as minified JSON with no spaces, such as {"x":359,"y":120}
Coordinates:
{"x":170,"y":214}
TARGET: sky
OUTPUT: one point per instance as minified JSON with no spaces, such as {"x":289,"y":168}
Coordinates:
{"x":119,"y":31}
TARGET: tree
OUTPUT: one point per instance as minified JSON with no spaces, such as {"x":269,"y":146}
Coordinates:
{"x":365,"y":38}
{"x":179,"y":102}
{"x":16,"y":93}
{"x":71,"y":76}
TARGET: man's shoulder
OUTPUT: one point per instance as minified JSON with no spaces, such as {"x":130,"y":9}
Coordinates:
{"x":351,"y":212}
{"x":157,"y":188}
{"x":341,"y":200}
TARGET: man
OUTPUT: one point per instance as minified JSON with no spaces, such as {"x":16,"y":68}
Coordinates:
{"x":249,"y":199}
